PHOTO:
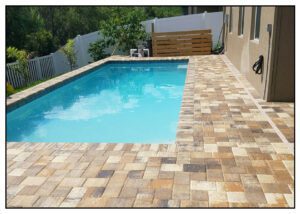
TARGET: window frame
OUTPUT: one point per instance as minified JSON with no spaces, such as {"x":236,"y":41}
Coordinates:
{"x":241,"y":20}
{"x":230,"y":19}
{"x":256,"y":22}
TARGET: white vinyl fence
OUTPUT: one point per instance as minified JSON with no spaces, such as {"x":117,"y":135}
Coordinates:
{"x":199,"y":21}
{"x":56,"y":63}
{"x":39,"y":68}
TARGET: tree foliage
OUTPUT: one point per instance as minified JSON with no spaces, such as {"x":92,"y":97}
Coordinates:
{"x":43,"y":29}
{"x":69,"y":51}
{"x":97,"y":50}
{"x":161,"y":12}
{"x":123,"y":29}
{"x":21,"y":56}
{"x":40,"y":42}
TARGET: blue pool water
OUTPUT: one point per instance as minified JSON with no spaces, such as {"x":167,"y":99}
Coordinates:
{"x":132,"y":102}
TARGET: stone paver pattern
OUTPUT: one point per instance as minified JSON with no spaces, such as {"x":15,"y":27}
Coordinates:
{"x":226,"y":154}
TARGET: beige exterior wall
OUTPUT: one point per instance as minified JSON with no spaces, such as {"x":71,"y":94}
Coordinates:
{"x":243,"y":51}
{"x":276,"y":83}
{"x":282,"y":77}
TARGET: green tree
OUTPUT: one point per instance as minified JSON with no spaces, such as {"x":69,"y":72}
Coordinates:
{"x":22,"y":57}
{"x":43,"y":29}
{"x":20,"y":22}
{"x":123,"y":29}
{"x":69,"y":51}
{"x":162,"y":12}
{"x":40,"y":42}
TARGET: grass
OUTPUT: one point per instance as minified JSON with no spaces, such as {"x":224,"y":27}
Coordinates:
{"x":16,"y":90}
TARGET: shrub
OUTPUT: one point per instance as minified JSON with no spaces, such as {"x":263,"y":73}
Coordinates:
{"x":96,"y":50}
{"x":40,"y":42}
{"x":22,"y":58}
{"x":69,"y":51}
{"x":9,"y":89}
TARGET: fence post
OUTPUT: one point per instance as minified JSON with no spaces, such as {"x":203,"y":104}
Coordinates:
{"x":38,"y":66}
{"x":152,"y":27}
{"x":80,"y":56}
{"x":54,"y":64}
{"x":154,"y":23}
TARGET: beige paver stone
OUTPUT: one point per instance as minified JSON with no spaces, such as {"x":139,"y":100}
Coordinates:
{"x":34,"y":181}
{"x":163,"y":194}
{"x":46,"y":188}
{"x":60,"y":191}
{"x":135,"y":166}
{"x":217,"y":196}
{"x":96,"y":182}
{"x":182,"y":178}
{"x":161,"y":183}
{"x":238,"y":197}
{"x":120,"y":202}
{"x":60,"y":158}
{"x":70,"y":203}
{"x":265,"y":178}
{"x":239,"y":152}
{"x":93,"y":202}
{"x":290,"y":199}
{"x":151,"y":174}
{"x":275,"y":198}
{"x":72,"y":182}
{"x":181,"y":192}
{"x":218,"y":204}
{"x":112,"y":192}
{"x":142,"y":203}
{"x":29,"y":190}
{"x":171,"y":167}
{"x":48,"y":201}
{"x":127,"y":192}
{"x":203,"y":185}
{"x":199,"y":195}
{"x":113,"y":159}
{"x":76,"y":192}
{"x":46,"y":172}
{"x":17,"y":172}
{"x":189,"y":203}
{"x":13,"y":189}
{"x":233,"y":187}
{"x":23,"y":201}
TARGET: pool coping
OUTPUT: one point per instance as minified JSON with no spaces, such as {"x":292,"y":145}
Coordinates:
{"x":23,"y":97}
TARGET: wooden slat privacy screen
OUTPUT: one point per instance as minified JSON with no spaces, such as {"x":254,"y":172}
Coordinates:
{"x":183,"y":43}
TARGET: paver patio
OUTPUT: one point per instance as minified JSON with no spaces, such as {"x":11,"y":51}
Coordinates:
{"x":228,"y":153}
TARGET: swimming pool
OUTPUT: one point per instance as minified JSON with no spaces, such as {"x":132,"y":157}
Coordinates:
{"x":118,"y":102}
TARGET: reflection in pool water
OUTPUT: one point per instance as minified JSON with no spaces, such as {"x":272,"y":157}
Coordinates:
{"x":118,"y":102}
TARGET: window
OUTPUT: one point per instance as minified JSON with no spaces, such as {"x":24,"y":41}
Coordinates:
{"x":230,"y":19}
{"x":256,"y":13}
{"x":241,"y":20}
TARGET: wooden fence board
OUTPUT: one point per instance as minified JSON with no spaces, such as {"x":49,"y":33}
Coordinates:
{"x":182,"y":43}
{"x":183,"y":32}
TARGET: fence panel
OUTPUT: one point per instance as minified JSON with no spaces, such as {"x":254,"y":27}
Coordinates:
{"x":182,"y":43}
{"x":47,"y":67}
{"x":33,"y":70}
{"x":38,"y":68}
{"x":13,"y":77}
